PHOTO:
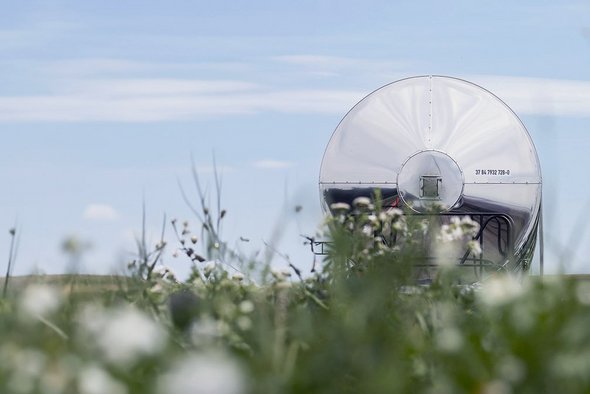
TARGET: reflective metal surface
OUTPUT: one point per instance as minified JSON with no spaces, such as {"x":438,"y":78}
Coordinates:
{"x":430,"y":180}
{"x":437,"y":139}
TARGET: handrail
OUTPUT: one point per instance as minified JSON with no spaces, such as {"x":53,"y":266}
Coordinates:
{"x":318,"y":248}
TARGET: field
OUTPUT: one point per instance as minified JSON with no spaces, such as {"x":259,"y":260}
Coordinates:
{"x":357,"y":324}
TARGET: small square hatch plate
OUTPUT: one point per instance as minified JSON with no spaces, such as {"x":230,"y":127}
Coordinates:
{"x":430,"y":186}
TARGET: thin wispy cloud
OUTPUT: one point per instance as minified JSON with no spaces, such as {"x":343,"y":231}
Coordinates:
{"x":156,"y":100}
{"x":319,"y":60}
{"x":537,"y":96}
{"x":270,"y":164}
{"x":106,"y":66}
{"x":35,"y":33}
{"x":96,"y":66}
{"x":100,"y":212}
{"x":149,"y":87}
{"x":104,"y":98}
{"x":15,"y":38}
{"x":332,"y":66}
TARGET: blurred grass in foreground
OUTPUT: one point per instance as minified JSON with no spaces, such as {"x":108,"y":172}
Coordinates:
{"x":358,"y":324}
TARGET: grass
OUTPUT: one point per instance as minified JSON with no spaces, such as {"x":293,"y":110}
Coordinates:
{"x":82,"y":283}
{"x":358,"y":324}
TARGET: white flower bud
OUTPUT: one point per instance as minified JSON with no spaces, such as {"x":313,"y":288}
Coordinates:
{"x":340,"y":206}
{"x":362,"y":202}
{"x":238,"y":276}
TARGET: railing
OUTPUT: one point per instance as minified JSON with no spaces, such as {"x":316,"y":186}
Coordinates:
{"x":504,"y":242}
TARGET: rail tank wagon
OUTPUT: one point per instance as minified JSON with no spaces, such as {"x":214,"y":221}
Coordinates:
{"x":443,"y":140}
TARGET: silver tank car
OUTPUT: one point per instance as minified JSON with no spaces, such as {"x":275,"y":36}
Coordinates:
{"x":435,"y":139}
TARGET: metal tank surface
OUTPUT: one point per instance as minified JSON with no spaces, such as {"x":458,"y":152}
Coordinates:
{"x":442,"y":140}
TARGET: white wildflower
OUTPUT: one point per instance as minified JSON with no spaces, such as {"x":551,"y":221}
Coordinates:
{"x":164,"y":272}
{"x":160,"y":270}
{"x":424,"y":226}
{"x":394,"y":213}
{"x":469,"y":225}
{"x":340,"y":207}
{"x":283,"y":285}
{"x":244,"y":323}
{"x":205,"y":330}
{"x":286,"y":272}
{"x":474,"y":247}
{"x":209,"y":267}
{"x":279,"y":275}
{"x":227,"y":309}
{"x":362,"y":202}
{"x":411,"y":290}
{"x":451,"y":232}
{"x":238,"y":276}
{"x":157,"y":289}
{"x":400,"y":225}
{"x":367,"y":230}
{"x":224,"y":328}
{"x":386,"y":229}
{"x":456,"y":232}
{"x":246,"y":306}
{"x":446,"y":252}
{"x":449,"y":339}
{"x":212,"y":373}
{"x":445,"y":237}
{"x":40,"y":300}
{"x":123,"y":334}
{"x":501,"y":289}
{"x":95,"y":380}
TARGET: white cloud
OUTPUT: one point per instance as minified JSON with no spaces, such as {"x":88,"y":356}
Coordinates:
{"x":331,"y":66}
{"x":105,"y":66}
{"x":10,"y":39}
{"x":319,"y":60}
{"x":150,"y":87}
{"x":91,"y":66}
{"x":537,"y":96}
{"x":173,"y":99}
{"x":272,"y":164}
{"x":153,"y":100}
{"x":100,"y":212}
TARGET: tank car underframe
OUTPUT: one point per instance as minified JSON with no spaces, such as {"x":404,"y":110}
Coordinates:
{"x":507,"y":260}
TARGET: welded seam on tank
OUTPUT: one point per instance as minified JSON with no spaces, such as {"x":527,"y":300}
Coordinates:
{"x":356,"y":183}
{"x":428,"y":141}
{"x":502,"y":183}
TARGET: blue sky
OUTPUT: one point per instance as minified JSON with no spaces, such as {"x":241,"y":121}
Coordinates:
{"x":103,"y":103}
